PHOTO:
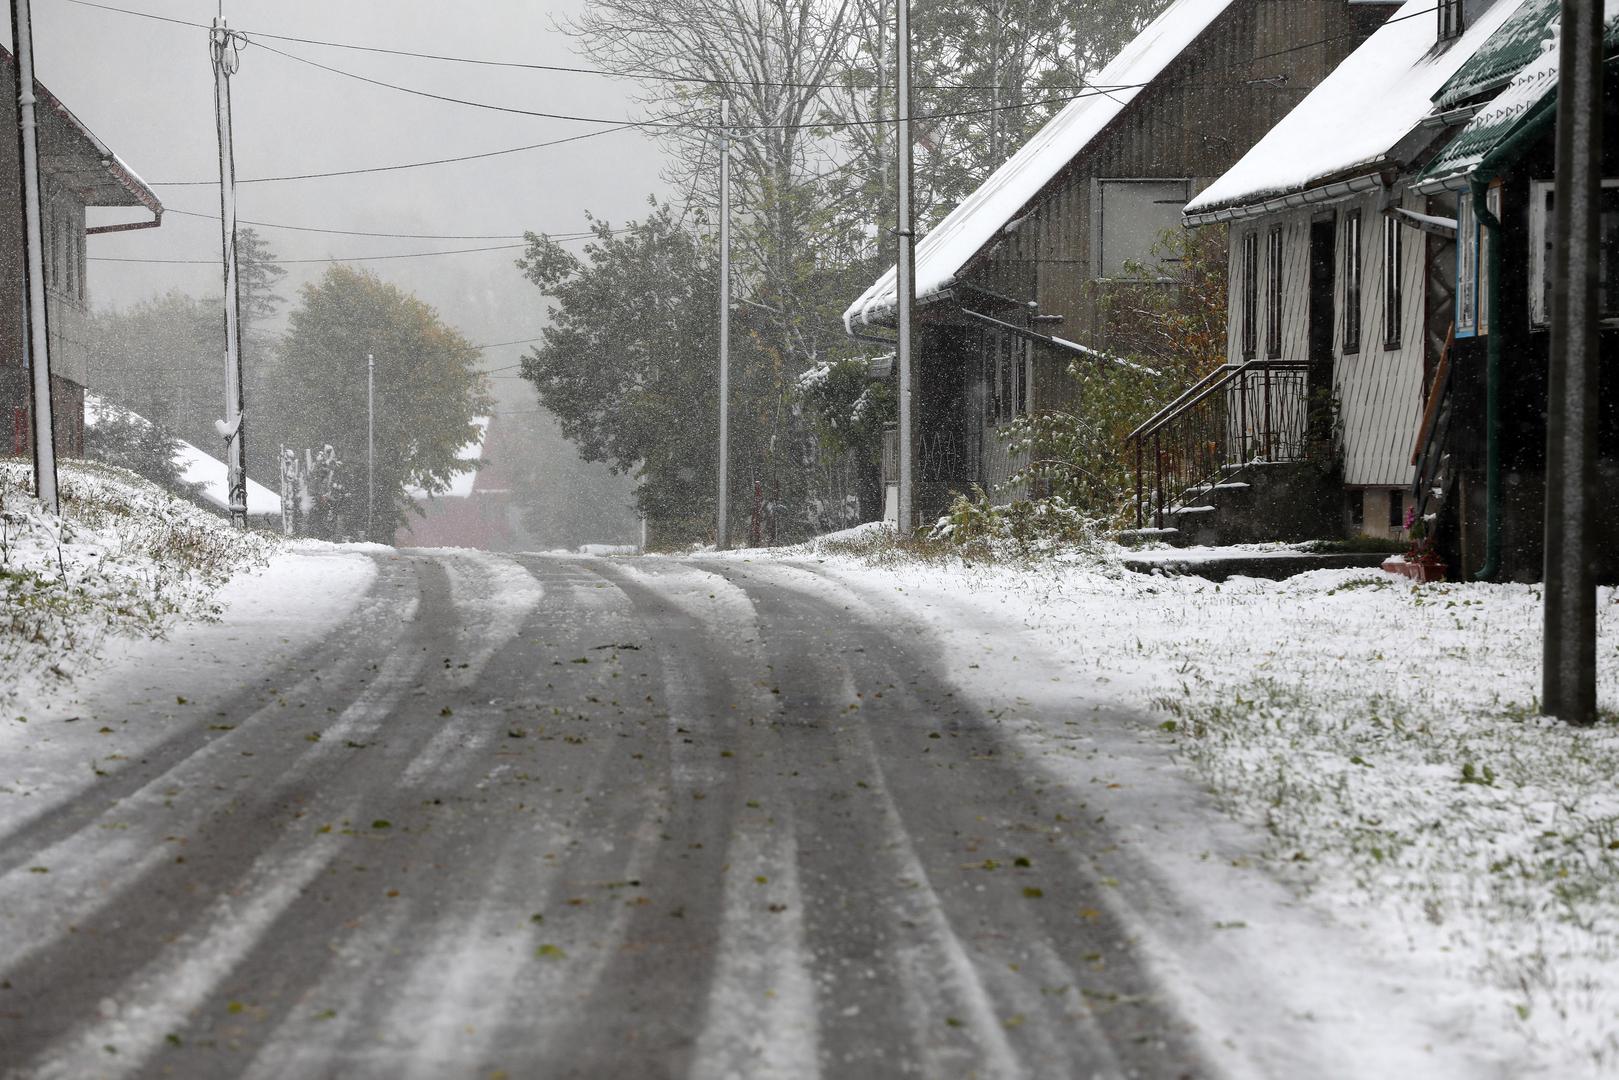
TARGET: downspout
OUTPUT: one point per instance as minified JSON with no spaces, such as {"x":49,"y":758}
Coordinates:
{"x":1502,"y":157}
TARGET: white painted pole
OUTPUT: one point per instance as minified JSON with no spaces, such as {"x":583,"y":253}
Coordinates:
{"x":37,"y":338}
{"x":906,"y":267}
{"x":370,"y":443}
{"x":722,"y":533}
{"x":223,"y":46}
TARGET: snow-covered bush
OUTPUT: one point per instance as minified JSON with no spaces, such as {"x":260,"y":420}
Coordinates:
{"x":124,"y":558}
{"x":1021,"y":528}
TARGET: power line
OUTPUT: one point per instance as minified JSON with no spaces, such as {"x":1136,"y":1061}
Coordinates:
{"x":351,"y":232}
{"x":577,"y":235}
{"x":299,"y":262}
{"x":566,"y":69}
{"x":396,"y":168}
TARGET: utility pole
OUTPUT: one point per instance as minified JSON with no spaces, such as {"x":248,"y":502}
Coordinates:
{"x":722,"y":533}
{"x":370,"y":442}
{"x":906,"y":265}
{"x":37,"y":338}
{"x":1568,"y":675}
{"x":225,"y":47}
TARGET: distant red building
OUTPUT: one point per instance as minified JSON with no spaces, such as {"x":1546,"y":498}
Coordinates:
{"x":477,"y":511}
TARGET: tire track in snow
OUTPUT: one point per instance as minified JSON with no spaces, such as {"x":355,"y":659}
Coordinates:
{"x":137,"y":1018}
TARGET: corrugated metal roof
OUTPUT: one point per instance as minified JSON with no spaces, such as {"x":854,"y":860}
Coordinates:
{"x":1531,"y":85}
{"x":1505,"y":54}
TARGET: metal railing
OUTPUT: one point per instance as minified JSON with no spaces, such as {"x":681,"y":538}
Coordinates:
{"x":1237,"y":415}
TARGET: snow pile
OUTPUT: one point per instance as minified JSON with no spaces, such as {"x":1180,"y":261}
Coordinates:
{"x":124,"y":559}
{"x":204,"y":472}
{"x":1380,"y":736}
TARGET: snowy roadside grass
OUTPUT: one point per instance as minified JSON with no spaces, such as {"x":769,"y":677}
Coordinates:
{"x":1381,"y":736}
{"x":124,"y":558}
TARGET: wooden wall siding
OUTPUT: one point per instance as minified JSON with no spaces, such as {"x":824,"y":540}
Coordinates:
{"x":996,"y":465}
{"x":1379,"y":389}
{"x":1204,"y":113}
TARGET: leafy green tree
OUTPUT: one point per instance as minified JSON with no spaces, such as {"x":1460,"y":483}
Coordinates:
{"x":629,"y":363}
{"x":427,"y":392}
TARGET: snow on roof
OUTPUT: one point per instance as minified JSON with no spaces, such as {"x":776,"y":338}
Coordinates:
{"x":462,"y":483}
{"x":196,"y":467}
{"x":1506,"y":53}
{"x":1356,"y":117}
{"x":972,"y":224}
{"x":1530,"y":88}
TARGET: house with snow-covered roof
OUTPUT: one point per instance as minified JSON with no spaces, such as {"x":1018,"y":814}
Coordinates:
{"x":1352,"y":397}
{"x":77,"y":170}
{"x":476,"y":510}
{"x":1012,"y":284}
{"x":1480,"y":483}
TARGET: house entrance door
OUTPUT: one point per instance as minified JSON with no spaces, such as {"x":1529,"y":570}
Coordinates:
{"x":1323,"y":267}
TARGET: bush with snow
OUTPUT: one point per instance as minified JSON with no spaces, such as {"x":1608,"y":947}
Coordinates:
{"x":124,"y":558}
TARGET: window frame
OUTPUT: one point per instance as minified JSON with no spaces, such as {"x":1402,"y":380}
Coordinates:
{"x":1098,"y":246}
{"x":1352,"y":281}
{"x":1249,"y":283}
{"x":1540,"y":226}
{"x":1393,"y":286}
{"x":1452,"y":19}
{"x":1275,"y":246}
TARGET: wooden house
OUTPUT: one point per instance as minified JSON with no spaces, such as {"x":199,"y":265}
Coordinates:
{"x":1366,"y":320}
{"x":1480,"y":483}
{"x":77,"y":171}
{"x":1011,"y":285}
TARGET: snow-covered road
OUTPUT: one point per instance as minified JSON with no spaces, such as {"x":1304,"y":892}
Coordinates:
{"x":452,"y":814}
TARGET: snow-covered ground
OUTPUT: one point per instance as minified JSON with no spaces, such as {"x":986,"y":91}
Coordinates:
{"x":1378,"y":739}
{"x":124,"y":559}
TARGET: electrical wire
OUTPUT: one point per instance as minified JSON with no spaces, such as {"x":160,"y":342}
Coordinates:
{"x":302,"y":262}
{"x":566,"y":69}
{"x":405,"y":165}
{"x":578,"y":235}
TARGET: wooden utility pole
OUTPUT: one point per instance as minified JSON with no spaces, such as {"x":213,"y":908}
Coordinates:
{"x":36,"y":335}
{"x":1568,"y":677}
{"x":905,"y":270}
{"x":225,"y":47}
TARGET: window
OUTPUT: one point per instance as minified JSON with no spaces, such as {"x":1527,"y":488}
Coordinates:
{"x":1250,"y":295}
{"x":1540,"y":252}
{"x":1397,"y":510}
{"x":1130,"y":217}
{"x":1473,"y":264}
{"x":1393,"y":294}
{"x":1352,"y":282}
{"x":1005,"y":377}
{"x":1451,"y":20}
{"x":1273,"y":294}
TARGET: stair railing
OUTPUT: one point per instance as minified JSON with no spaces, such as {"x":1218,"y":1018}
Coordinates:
{"x":1239,"y":414}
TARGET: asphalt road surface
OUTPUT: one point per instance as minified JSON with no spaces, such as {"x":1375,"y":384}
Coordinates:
{"x":572,"y":817}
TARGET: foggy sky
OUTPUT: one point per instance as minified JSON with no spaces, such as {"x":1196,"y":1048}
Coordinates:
{"x":146,"y":89}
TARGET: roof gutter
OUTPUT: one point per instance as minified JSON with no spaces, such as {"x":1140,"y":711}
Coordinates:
{"x":1060,"y":344}
{"x":128,"y":226}
{"x":1333,"y":192}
